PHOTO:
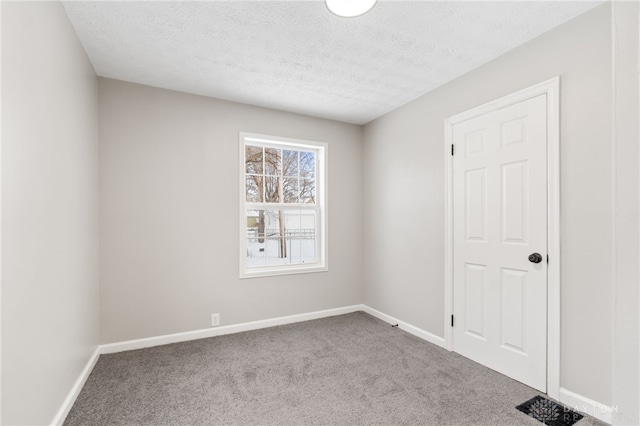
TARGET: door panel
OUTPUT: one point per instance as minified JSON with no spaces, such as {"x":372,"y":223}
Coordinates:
{"x":475,"y":204}
{"x":474,"y":300}
{"x":514,"y":309}
{"x":474,"y":143}
{"x":500,"y":211}
{"x":514,"y":200}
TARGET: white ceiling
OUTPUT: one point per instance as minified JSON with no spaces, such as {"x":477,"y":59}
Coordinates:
{"x":297,"y":56}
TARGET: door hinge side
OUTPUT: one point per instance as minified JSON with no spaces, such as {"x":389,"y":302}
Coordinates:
{"x":451,"y":320}
{"x":547,"y":259}
{"x":452,"y":149}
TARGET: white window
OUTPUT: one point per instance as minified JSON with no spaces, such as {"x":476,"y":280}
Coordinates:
{"x":282,"y":206}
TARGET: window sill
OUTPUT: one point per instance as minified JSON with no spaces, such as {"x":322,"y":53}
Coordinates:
{"x":274,"y":272}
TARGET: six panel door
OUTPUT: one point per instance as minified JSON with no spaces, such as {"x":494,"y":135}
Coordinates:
{"x":500,"y":219}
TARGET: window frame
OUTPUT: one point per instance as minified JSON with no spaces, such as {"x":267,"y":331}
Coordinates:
{"x":320,"y":207}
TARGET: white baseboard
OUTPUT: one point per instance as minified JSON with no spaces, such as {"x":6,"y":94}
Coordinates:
{"x":425,"y":335}
{"x":255,"y":325}
{"x":226,"y":329}
{"x":587,"y":406}
{"x":62,"y":413}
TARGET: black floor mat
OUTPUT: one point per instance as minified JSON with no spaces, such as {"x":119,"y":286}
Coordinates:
{"x":549,"y":412}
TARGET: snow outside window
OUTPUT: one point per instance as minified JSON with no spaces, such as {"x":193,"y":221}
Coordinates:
{"x":282,"y":208}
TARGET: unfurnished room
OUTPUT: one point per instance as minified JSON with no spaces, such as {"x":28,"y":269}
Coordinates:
{"x":320,"y":212}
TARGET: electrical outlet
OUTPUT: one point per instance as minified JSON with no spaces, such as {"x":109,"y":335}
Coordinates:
{"x":215,"y":320}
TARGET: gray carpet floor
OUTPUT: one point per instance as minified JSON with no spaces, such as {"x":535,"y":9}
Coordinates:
{"x":345,"y":370}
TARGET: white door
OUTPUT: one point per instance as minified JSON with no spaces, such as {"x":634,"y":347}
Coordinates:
{"x":499,"y":220}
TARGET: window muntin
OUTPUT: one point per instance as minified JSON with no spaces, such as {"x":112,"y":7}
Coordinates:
{"x":282,"y":206}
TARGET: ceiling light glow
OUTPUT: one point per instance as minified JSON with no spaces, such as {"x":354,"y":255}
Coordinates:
{"x":349,"y":8}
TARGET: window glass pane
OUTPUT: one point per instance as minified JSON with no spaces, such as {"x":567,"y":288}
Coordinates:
{"x":253,"y":159}
{"x":308,"y":191}
{"x":301,"y":236}
{"x":307,"y":164}
{"x":273,"y":161}
{"x":281,"y":237}
{"x":253,"y":189}
{"x":272,"y":190}
{"x":290,"y":163}
{"x":290,"y":190}
{"x":255,"y":239}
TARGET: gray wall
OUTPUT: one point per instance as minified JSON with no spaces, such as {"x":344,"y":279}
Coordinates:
{"x":169,"y":214}
{"x":404,"y":194}
{"x":49,"y":211}
{"x":626,"y":137}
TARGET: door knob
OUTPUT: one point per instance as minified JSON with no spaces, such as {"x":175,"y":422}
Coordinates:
{"x":535,"y":258}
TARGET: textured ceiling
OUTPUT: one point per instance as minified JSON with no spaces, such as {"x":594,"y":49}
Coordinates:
{"x":297,"y":56}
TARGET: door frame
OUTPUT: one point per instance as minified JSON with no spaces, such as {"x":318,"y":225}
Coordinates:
{"x":551,"y":88}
